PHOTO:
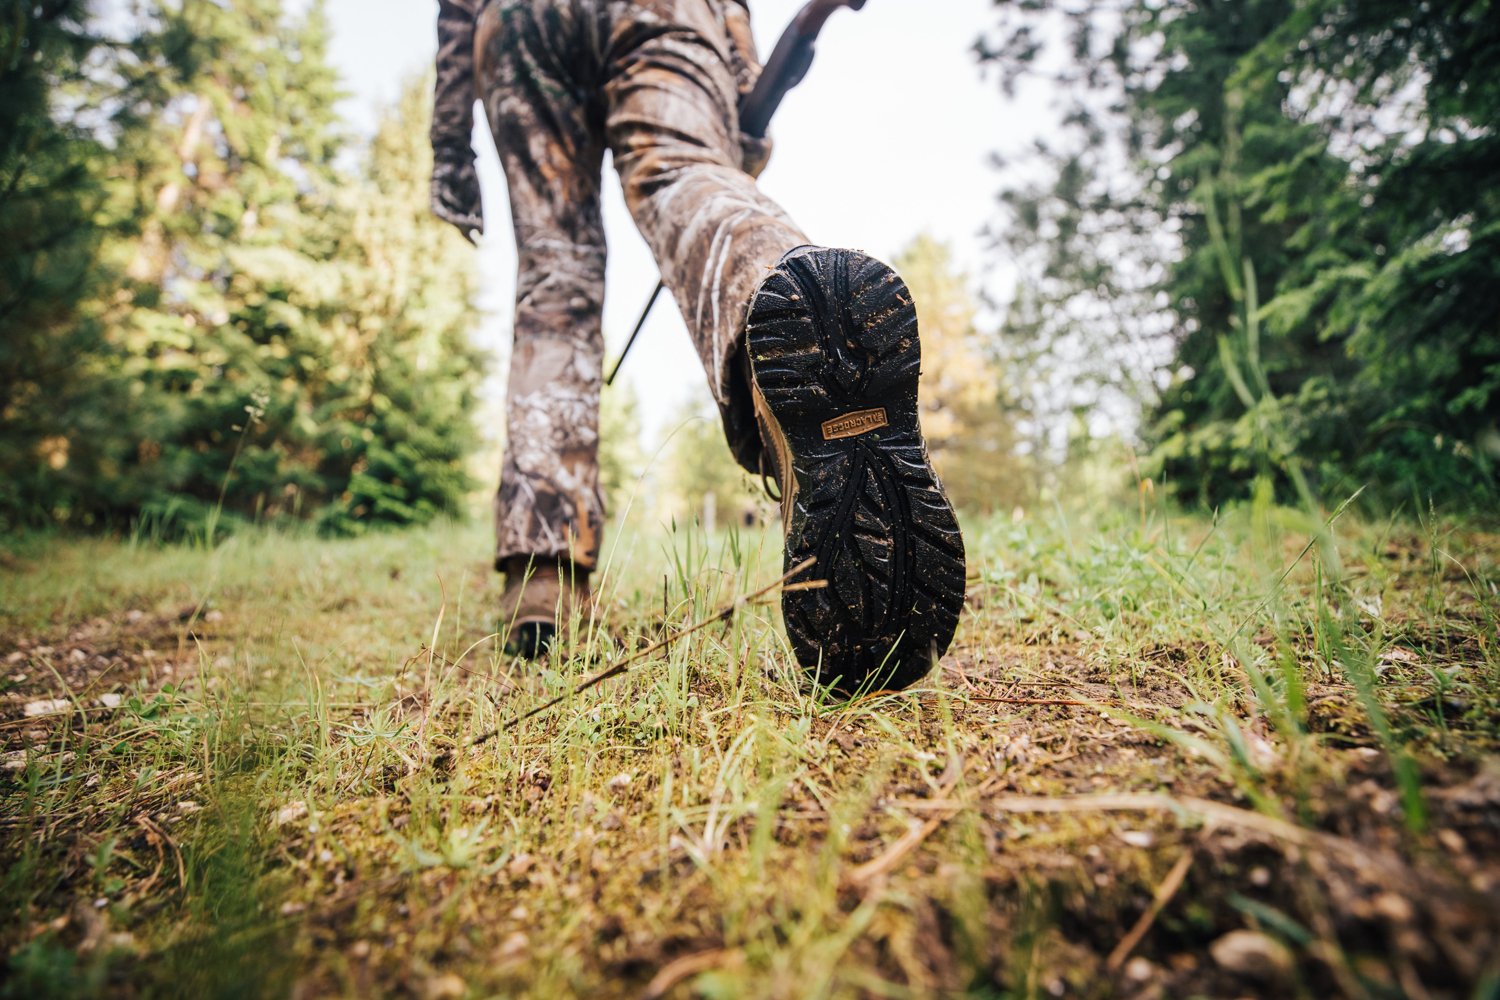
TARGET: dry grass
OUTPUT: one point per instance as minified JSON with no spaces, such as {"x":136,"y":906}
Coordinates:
{"x":1155,"y":764}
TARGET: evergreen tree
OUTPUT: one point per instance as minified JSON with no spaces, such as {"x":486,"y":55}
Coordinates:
{"x":54,"y":393}
{"x":1307,"y":198}
{"x":294,"y":335}
{"x":401,"y":435}
{"x":226,"y":317}
{"x":201,"y":307}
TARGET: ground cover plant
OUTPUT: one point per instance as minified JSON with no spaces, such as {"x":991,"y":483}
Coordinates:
{"x":1169,"y":755}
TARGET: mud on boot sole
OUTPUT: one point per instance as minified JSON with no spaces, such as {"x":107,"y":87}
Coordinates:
{"x":832,"y":336}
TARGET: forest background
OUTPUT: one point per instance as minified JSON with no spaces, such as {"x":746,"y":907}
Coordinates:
{"x":1265,"y":230}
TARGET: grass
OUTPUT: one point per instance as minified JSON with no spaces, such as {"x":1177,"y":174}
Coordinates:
{"x":1167,"y":756}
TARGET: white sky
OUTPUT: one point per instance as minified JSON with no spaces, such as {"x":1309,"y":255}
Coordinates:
{"x":886,"y":138}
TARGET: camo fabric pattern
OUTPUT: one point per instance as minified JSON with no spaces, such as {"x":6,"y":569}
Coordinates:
{"x":455,"y":181}
{"x":657,"y":82}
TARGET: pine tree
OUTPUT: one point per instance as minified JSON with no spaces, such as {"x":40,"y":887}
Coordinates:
{"x":231,"y":280}
{"x":401,"y":446}
{"x":293,"y":333}
{"x":55,"y":394}
{"x":1304,"y":191}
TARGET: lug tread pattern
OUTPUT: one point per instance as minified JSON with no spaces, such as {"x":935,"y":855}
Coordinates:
{"x":833,"y":332}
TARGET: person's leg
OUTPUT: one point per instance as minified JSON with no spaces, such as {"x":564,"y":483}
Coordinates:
{"x":814,"y":348}
{"x":674,"y":71}
{"x":547,"y":121}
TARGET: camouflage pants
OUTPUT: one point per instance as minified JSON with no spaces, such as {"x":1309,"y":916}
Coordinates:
{"x":657,"y":82}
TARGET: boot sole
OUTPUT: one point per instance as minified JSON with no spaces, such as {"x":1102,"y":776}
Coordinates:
{"x":832,"y":336}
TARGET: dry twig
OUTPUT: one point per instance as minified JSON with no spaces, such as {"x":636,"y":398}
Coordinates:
{"x":1164,"y":894}
{"x":676,"y":971}
{"x":1033,"y":701}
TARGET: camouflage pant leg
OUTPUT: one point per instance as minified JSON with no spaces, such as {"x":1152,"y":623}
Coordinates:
{"x":675,"y":74}
{"x":548,"y":129}
{"x":659,"y":80}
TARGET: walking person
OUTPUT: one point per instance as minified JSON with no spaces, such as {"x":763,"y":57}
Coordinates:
{"x":811,"y":353}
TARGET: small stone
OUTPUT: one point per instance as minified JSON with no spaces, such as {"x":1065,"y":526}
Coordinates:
{"x":290,"y":813}
{"x":78,"y":656}
{"x":1018,"y":751}
{"x":444,"y":987}
{"x":1138,"y":838}
{"x":1394,"y":908}
{"x":112,"y":700}
{"x":620,"y":780}
{"x":188,"y":806}
{"x":513,"y":947}
{"x":1260,"y":876}
{"x":1250,"y":953}
{"x":1139,"y":969}
{"x":47,"y":706}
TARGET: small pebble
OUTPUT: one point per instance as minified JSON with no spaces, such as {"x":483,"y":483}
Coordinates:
{"x":1250,"y":953}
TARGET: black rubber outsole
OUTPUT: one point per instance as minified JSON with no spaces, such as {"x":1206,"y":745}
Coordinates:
{"x":832,"y":336}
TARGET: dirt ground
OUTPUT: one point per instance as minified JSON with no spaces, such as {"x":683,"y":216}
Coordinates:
{"x":266,"y":784}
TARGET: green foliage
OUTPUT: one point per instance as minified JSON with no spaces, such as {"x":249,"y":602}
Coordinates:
{"x":286,"y":336}
{"x":1344,"y":152}
{"x":1234,"y":711}
{"x":407,"y":303}
{"x":54,"y":398}
{"x":966,"y":414}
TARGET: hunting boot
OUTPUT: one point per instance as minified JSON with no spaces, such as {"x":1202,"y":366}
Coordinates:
{"x":540,"y":597}
{"x":831,"y":344}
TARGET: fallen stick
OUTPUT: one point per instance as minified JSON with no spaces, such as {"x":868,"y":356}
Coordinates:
{"x":624,"y":665}
{"x":1207,"y":809}
{"x":913,"y":838}
{"x":1033,"y":701}
{"x":892,"y":856}
{"x":688,"y":965}
{"x":1164,"y":894}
